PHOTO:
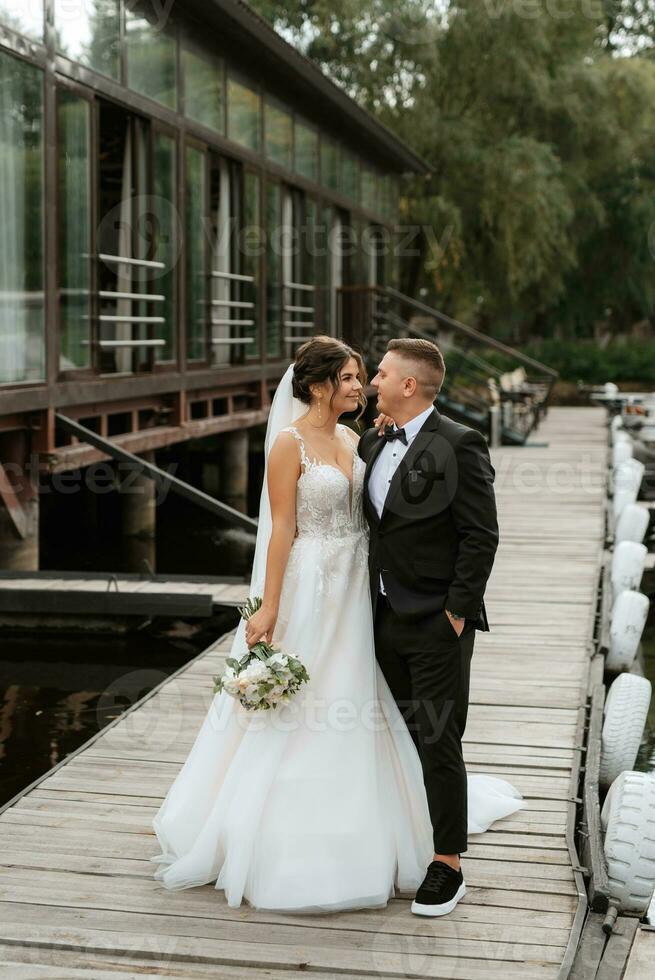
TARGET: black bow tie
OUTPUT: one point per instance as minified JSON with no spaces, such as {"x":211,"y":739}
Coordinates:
{"x":391,"y":434}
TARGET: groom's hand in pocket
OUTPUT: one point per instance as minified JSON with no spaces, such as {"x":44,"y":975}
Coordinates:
{"x":457,"y":624}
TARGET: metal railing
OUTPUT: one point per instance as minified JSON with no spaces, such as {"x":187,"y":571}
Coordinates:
{"x":231,"y":337}
{"x":293,"y":293}
{"x":153,"y":472}
{"x":104,"y":343}
{"x":485,"y":378}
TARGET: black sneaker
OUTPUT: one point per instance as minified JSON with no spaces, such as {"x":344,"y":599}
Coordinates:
{"x":441,"y":890}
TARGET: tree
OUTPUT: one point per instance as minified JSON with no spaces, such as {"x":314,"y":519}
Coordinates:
{"x":537,"y":216}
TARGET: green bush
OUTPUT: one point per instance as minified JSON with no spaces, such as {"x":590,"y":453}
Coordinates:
{"x":584,"y":360}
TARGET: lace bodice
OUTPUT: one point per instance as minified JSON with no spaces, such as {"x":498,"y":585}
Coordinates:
{"x":327,"y":506}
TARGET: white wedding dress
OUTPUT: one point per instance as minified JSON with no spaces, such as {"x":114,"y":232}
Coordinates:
{"x":318,"y":805}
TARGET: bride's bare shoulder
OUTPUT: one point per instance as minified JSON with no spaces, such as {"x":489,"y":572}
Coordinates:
{"x":285,"y":444}
{"x":286,"y":439}
{"x":284,"y":459}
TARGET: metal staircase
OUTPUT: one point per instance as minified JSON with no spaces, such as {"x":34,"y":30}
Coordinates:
{"x":488,"y":385}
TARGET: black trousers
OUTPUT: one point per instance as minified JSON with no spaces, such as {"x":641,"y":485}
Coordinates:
{"x":427,"y":666}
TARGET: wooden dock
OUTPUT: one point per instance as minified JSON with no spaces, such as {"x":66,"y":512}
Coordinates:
{"x":76,"y":886}
{"x":107,"y":594}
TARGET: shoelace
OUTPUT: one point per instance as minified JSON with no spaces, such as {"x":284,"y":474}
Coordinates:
{"x":436,"y":873}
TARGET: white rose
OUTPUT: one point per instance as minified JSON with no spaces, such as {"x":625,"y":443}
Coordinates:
{"x":255,"y":672}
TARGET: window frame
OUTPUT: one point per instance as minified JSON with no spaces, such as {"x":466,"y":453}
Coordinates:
{"x":80,"y":91}
{"x":17,"y":50}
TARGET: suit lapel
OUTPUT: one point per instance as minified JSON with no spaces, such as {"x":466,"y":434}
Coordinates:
{"x":421,"y":441}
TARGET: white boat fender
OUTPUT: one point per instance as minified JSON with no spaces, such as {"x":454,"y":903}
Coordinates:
{"x":628,"y":475}
{"x":621,"y":451}
{"x":622,"y":499}
{"x":628,"y":820}
{"x":628,"y":562}
{"x":632,"y":523}
{"x":625,"y":714}
{"x":627,"y":621}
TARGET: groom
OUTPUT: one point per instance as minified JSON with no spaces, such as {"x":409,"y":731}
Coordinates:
{"x":429,"y":501}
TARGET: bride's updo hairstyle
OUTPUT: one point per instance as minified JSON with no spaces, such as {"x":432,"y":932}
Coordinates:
{"x":321,"y":359}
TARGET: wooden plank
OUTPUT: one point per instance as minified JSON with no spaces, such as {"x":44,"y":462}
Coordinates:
{"x":144,"y":894}
{"x":553,"y":879}
{"x":76,"y":885}
{"x":19,"y":963}
{"x":549,"y":928}
{"x":356,"y":929}
{"x":617,"y":950}
{"x":60,"y":601}
{"x":487,"y":959}
{"x":641,"y":956}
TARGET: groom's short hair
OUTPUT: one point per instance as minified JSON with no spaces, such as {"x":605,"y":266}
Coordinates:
{"x":426,"y":359}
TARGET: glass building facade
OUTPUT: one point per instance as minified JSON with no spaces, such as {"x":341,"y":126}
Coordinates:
{"x":198,"y":213}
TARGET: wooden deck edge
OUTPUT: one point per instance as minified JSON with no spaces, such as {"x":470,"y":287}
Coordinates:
{"x":597,"y":618}
{"x":115,"y":721}
{"x":587,"y":935}
{"x":593,"y":850}
{"x":571,"y":821}
{"x":106,"y":578}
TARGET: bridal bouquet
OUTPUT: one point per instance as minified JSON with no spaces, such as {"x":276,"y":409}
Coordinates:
{"x":264,"y":677}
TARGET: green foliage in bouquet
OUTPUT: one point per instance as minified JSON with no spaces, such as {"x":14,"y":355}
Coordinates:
{"x":264,"y":677}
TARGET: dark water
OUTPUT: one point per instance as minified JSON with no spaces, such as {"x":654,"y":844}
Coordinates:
{"x":59,"y":690}
{"x":81,"y":530}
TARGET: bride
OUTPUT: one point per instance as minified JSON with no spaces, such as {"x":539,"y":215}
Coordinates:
{"x":318,"y":805}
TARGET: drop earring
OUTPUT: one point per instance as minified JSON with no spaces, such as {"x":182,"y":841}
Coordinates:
{"x":319,"y":410}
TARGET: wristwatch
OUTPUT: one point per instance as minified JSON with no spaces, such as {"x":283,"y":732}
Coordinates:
{"x":454,"y":615}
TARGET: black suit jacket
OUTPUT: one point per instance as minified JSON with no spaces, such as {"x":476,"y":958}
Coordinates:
{"x":436,"y":540}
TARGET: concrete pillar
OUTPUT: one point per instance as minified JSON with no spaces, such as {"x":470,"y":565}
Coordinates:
{"x":211,"y":477}
{"x":17,"y":553}
{"x":19,"y":506}
{"x":138,"y":515}
{"x":233,"y":456}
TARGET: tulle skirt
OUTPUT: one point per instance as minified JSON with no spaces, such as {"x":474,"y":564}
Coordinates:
{"x":318,"y":805}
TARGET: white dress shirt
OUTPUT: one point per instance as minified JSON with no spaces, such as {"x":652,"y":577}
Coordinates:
{"x":388,"y":461}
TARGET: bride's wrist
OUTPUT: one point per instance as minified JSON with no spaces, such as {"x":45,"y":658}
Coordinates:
{"x":270,"y":607}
